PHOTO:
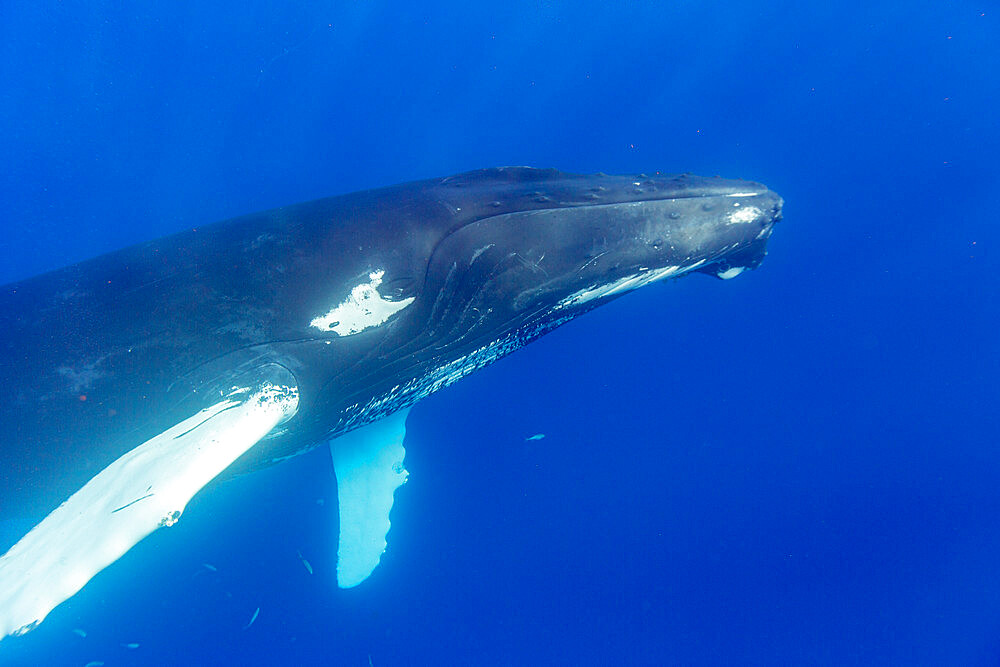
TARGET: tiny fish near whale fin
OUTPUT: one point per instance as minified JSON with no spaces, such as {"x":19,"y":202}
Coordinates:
{"x":145,"y":489}
{"x":368,"y":463}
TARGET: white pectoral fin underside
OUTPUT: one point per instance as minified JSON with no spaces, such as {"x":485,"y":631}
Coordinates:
{"x":143,"y":490}
{"x":368,"y":463}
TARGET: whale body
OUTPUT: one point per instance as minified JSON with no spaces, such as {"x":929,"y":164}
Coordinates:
{"x":130,"y":381}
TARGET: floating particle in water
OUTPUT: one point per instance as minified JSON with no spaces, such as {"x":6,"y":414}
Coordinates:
{"x":305,"y":563}
{"x":252,"y":618}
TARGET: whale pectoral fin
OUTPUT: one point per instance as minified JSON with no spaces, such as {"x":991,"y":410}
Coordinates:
{"x":368,"y":463}
{"x":142,"y":490}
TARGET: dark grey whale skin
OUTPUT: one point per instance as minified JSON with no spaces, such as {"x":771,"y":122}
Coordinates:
{"x":98,"y":357}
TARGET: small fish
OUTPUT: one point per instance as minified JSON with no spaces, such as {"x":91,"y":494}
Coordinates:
{"x":210,"y":567}
{"x":252,"y":618}
{"x":80,"y":633}
{"x":309,"y":568}
{"x":94,"y":663}
{"x":131,"y":646}
{"x":537,"y":436}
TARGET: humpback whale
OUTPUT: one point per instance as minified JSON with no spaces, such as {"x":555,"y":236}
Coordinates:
{"x":130,"y":381}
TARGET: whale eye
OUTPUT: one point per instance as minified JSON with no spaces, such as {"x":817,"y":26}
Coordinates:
{"x":400,"y":286}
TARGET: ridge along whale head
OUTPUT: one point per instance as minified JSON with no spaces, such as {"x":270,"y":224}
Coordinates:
{"x":516,"y":239}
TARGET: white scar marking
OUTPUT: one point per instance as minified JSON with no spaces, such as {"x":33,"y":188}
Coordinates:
{"x":626,"y":284}
{"x":742,"y":215}
{"x":143,"y":490}
{"x":363,"y":308}
{"x":731,"y":273}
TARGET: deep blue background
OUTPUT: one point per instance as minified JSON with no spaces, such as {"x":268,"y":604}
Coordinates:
{"x":800,"y":465}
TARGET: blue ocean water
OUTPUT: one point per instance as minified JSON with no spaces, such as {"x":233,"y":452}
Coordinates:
{"x":796,"y":466}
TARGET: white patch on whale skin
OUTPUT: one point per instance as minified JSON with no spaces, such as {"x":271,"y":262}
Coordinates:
{"x":626,"y":284}
{"x":744,"y":215}
{"x":729,"y":274}
{"x":479,"y":252}
{"x":143,"y":490}
{"x":363,"y":308}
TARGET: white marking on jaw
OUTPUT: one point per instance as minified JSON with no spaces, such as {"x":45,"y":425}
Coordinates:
{"x":626,"y":284}
{"x":731,"y":273}
{"x":743,"y":194}
{"x":743,"y":215}
{"x":363,"y":308}
{"x":479,"y":252}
